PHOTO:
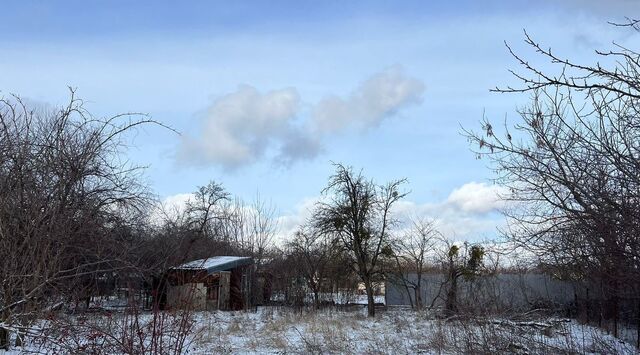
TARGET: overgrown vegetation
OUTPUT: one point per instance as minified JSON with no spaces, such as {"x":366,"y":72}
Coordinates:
{"x":572,"y":164}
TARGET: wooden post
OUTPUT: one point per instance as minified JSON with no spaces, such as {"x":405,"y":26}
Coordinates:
{"x":224,"y":290}
{"x":638,"y":324}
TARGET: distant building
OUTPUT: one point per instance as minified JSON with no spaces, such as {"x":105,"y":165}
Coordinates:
{"x":219,"y":282}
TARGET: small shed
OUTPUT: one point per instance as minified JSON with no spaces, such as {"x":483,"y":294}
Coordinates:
{"x":219,"y":282}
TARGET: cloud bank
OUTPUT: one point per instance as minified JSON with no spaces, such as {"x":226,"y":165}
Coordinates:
{"x":468,"y":213}
{"x":245,"y":126}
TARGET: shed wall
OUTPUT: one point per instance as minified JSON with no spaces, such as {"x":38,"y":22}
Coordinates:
{"x":191,"y":295}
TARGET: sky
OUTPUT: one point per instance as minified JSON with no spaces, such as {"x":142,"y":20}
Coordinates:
{"x":265,"y":95}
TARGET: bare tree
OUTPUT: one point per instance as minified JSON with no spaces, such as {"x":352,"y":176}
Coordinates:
{"x":251,"y":227}
{"x":63,"y":187}
{"x":358,"y":216}
{"x":572,"y":163}
{"x":263,"y":227}
{"x":313,"y":255}
{"x":414,"y":250}
{"x":205,"y":210}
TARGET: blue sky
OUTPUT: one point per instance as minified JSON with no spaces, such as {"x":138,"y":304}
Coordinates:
{"x":267,"y":93}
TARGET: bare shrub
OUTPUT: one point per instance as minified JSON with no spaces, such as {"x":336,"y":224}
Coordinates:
{"x":68,"y":196}
{"x":129,"y":332}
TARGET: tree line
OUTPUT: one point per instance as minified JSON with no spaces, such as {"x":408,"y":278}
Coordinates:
{"x":76,"y":217}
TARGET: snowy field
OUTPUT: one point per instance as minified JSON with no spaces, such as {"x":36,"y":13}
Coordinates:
{"x":330,"y":331}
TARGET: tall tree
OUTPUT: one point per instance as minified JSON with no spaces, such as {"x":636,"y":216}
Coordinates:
{"x":357,"y":215}
{"x":573,"y":164}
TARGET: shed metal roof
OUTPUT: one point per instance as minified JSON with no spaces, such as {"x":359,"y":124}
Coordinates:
{"x":216,"y":263}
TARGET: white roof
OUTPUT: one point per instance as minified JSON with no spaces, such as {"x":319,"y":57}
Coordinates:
{"x":216,"y":263}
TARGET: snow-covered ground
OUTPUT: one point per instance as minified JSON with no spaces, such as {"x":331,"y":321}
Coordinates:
{"x":337,"y":298}
{"x":273,"y":330}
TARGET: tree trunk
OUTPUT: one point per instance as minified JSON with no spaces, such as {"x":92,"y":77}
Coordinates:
{"x":316,"y":299}
{"x":406,"y":287}
{"x":409,"y":295}
{"x":4,"y":338}
{"x":451,"y":306}
{"x":615,"y":315}
{"x":371,"y":308}
{"x":587,"y":306}
{"x":638,"y":324}
{"x":418,"y":291}
{"x":418,"y":297}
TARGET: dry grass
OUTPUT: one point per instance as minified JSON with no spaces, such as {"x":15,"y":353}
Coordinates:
{"x":283,"y":331}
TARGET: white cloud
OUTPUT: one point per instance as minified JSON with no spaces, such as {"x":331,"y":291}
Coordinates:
{"x":375,"y":100}
{"x":288,"y":223}
{"x":177,"y":202}
{"x":450,"y":219}
{"x":240,"y":127}
{"x":170,"y":208}
{"x":244,"y":126}
{"x":478,"y":198}
{"x":469,"y":212}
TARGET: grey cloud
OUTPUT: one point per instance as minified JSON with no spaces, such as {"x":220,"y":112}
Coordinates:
{"x":298,"y":145}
